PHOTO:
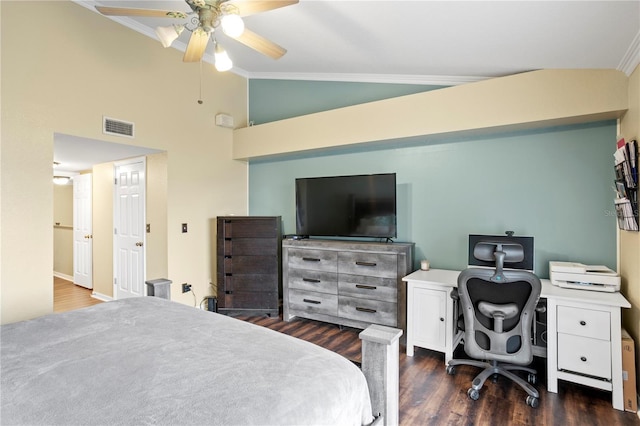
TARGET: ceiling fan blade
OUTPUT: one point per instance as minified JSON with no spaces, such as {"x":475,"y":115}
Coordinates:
{"x":151,"y":13}
{"x":250,"y":7}
{"x":197,"y":45}
{"x":261,"y":44}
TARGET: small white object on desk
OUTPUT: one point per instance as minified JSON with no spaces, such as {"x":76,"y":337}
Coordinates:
{"x":424,"y":265}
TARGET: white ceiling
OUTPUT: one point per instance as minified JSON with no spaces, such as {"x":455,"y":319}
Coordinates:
{"x":76,"y":154}
{"x":430,"y":42}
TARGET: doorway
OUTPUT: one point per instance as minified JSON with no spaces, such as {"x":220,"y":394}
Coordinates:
{"x":77,"y":154}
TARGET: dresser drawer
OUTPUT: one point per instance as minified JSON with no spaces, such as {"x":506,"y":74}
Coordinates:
{"x":375,"y":288}
{"x":248,"y":227}
{"x":584,"y":322}
{"x":248,"y":247}
{"x":315,"y":260}
{"x":320,"y":281}
{"x":251,"y":265}
{"x":584,"y":355}
{"x":369,"y":264}
{"x":313,"y":302}
{"x":371,"y":311}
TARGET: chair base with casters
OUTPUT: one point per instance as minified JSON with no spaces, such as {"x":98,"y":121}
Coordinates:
{"x":494,"y":368}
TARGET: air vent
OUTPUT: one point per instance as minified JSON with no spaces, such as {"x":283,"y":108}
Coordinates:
{"x":111,"y":126}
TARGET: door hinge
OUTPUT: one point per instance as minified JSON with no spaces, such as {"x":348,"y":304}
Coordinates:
{"x":115,"y":281}
{"x":115,"y":181}
{"x":115,"y":231}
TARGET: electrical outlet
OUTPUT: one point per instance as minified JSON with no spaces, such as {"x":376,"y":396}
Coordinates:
{"x":186,"y":288}
{"x":184,"y":228}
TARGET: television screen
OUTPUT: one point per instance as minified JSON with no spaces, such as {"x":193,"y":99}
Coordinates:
{"x":347,"y":206}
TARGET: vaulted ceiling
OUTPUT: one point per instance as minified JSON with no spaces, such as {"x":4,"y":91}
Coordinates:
{"x":432,"y":42}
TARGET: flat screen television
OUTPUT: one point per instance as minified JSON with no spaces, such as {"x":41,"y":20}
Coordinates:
{"x":347,"y":206}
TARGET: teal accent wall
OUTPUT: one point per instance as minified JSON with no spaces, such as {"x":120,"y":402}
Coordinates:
{"x":271,"y":100}
{"x":553,"y":184}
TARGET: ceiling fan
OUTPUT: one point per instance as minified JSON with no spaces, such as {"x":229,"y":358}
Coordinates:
{"x":206,"y":16}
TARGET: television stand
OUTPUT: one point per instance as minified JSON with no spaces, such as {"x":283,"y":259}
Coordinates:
{"x":349,"y":283}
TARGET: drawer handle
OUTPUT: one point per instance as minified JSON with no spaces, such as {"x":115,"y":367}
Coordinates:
{"x":583,"y":358}
{"x":366,"y":263}
{"x":228,"y":292}
{"x":441,"y":319}
{"x":315,"y":302}
{"x":310,"y":259}
{"x":310,"y":280}
{"x":583,"y":322}
{"x":366,"y":287}
{"x":371,"y":311}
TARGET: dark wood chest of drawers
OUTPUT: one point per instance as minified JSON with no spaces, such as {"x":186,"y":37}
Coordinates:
{"x":248,"y":264}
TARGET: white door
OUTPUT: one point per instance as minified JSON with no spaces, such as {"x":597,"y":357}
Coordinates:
{"x":129,"y":230}
{"x":82,"y":231}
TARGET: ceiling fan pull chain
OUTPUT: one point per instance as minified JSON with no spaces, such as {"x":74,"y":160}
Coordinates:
{"x":200,"y":98}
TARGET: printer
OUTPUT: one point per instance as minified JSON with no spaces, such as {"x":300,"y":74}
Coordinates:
{"x":584,"y":277}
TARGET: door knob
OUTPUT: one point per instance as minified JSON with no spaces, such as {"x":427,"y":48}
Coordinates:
{"x":139,"y":243}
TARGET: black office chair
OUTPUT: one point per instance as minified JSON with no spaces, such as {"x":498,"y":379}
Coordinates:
{"x":498,"y":309}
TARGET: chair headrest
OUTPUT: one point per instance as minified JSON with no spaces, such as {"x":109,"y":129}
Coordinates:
{"x":498,"y":252}
{"x":486,"y":250}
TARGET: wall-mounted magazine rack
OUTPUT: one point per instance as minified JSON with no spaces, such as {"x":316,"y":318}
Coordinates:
{"x":626,"y":184}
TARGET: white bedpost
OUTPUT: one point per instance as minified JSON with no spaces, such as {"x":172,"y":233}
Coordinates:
{"x":381,"y":367}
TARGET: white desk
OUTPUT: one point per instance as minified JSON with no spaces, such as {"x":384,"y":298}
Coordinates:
{"x":583,"y":329}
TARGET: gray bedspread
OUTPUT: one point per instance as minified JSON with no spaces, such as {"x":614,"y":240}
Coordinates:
{"x":151,"y":361}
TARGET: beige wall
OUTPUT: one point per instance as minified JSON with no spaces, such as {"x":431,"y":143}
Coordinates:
{"x":102,"y":222}
{"x":63,"y":230}
{"x":629,"y":249}
{"x":523,"y":101}
{"x":156,"y":241}
{"x":62,"y":75}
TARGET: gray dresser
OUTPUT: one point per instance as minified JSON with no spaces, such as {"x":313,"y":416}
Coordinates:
{"x":349,"y":283}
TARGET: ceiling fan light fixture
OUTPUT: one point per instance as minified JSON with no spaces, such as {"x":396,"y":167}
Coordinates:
{"x":223,"y":62}
{"x":168,"y":35}
{"x":61,"y":180}
{"x":232,"y":25}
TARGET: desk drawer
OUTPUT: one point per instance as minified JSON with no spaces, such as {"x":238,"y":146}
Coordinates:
{"x":584,"y":355}
{"x":315,"y":260}
{"x":584,"y":322}
{"x":374,"y":288}
{"x":310,"y":301}
{"x":320,"y":281}
{"x":372,"y":311}
{"x":369,"y":264}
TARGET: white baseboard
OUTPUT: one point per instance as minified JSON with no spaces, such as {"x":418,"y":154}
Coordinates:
{"x":101,"y":296}
{"x":63,"y":276}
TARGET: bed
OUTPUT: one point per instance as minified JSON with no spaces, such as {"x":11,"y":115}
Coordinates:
{"x":148,"y":360}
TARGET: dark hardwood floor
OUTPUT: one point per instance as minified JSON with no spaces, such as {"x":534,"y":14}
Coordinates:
{"x":428,"y":395}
